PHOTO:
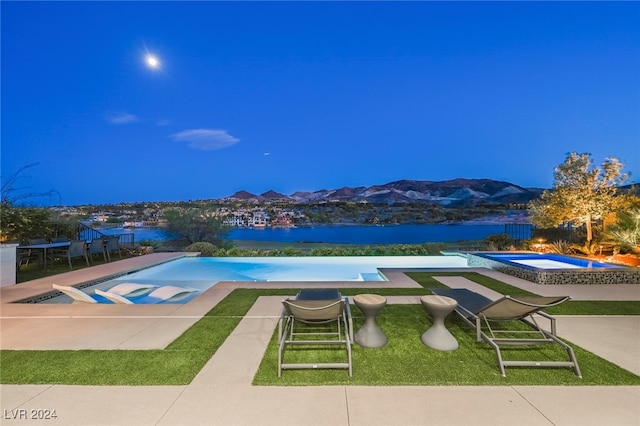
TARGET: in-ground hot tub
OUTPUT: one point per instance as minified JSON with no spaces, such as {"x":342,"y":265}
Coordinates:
{"x":547,"y":268}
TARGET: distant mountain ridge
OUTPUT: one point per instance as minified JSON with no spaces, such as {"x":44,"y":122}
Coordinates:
{"x":454,"y":192}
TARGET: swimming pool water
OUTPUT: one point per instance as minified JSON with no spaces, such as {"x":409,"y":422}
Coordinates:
{"x":549,"y":261}
{"x":201,"y":273}
{"x":345,"y":268}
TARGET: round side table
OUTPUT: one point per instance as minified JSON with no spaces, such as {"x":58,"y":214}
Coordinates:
{"x":437,"y":336}
{"x":370,"y":335}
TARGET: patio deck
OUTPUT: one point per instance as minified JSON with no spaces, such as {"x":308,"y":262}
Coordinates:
{"x":222,"y":394}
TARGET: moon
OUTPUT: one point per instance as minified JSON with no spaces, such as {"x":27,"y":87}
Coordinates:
{"x":152,"y":61}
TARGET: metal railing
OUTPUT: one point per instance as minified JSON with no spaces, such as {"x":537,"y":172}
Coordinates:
{"x":519,"y":231}
{"x":87,"y":233}
{"x":523,"y":231}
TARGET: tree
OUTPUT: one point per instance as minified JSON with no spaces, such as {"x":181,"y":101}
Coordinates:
{"x":21,"y":222}
{"x":11,"y":193}
{"x":195,"y":225}
{"x":581,"y":194}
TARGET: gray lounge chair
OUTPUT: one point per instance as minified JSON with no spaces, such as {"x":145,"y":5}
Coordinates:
{"x":482,"y":313}
{"x":324,"y":322}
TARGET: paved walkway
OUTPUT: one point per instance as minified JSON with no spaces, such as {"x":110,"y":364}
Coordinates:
{"x":222,"y":394}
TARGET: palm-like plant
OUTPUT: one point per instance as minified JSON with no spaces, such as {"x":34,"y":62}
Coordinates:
{"x":589,"y":248}
{"x":626,"y":230}
{"x":561,"y":247}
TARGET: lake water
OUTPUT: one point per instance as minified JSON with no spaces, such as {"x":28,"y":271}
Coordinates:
{"x":393,"y":234}
{"x":140,"y":234}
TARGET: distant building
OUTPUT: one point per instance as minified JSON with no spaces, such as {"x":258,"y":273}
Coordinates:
{"x":259,"y":219}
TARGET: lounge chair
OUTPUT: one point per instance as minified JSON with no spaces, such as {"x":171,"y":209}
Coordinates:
{"x":482,"y":313}
{"x":161,"y":294}
{"x":78,"y":296}
{"x":324,"y":322}
{"x":113,"y":297}
{"x":167,"y":293}
{"x":326,"y":294}
{"x":131,"y":289}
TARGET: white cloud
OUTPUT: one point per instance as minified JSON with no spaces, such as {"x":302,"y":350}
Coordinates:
{"x":205,"y":139}
{"x":166,"y":122}
{"x":121,"y":118}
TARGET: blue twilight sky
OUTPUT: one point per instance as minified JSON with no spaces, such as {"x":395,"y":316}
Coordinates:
{"x":310,"y":95}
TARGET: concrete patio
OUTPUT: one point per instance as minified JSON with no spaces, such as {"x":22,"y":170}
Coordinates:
{"x":222,"y":394}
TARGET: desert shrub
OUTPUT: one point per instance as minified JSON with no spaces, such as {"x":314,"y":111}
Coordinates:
{"x":432,"y":248}
{"x":499,"y":242}
{"x":588,"y":248}
{"x":149,"y":243}
{"x":205,"y":249}
{"x":561,"y":247}
{"x":626,"y":231}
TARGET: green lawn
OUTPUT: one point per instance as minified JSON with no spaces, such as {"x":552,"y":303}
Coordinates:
{"x":403,"y":361}
{"x":406,"y":361}
{"x":34,"y":271}
{"x":572,"y":307}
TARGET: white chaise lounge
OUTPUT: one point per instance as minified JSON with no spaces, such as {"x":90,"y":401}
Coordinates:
{"x":131,"y":289}
{"x":78,"y":296}
{"x":160,"y":294}
{"x":114,"y":297}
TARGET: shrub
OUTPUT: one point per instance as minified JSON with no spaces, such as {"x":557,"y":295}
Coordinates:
{"x":498,"y":242}
{"x":588,"y":248}
{"x":561,"y":247}
{"x":205,"y":249}
{"x":149,"y":243}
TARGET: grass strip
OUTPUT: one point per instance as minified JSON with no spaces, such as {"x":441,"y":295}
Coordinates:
{"x":405,"y":360}
{"x":571,"y":307}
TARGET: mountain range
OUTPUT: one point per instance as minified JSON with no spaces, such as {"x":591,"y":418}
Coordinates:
{"x":452,"y":193}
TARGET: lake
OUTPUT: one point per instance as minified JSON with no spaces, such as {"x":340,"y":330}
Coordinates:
{"x":356,"y":234}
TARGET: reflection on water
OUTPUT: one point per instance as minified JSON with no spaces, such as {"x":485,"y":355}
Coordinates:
{"x":393,"y":234}
{"x":357,"y":234}
{"x":140,"y":234}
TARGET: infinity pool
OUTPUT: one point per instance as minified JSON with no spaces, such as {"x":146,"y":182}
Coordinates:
{"x":201,"y":273}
